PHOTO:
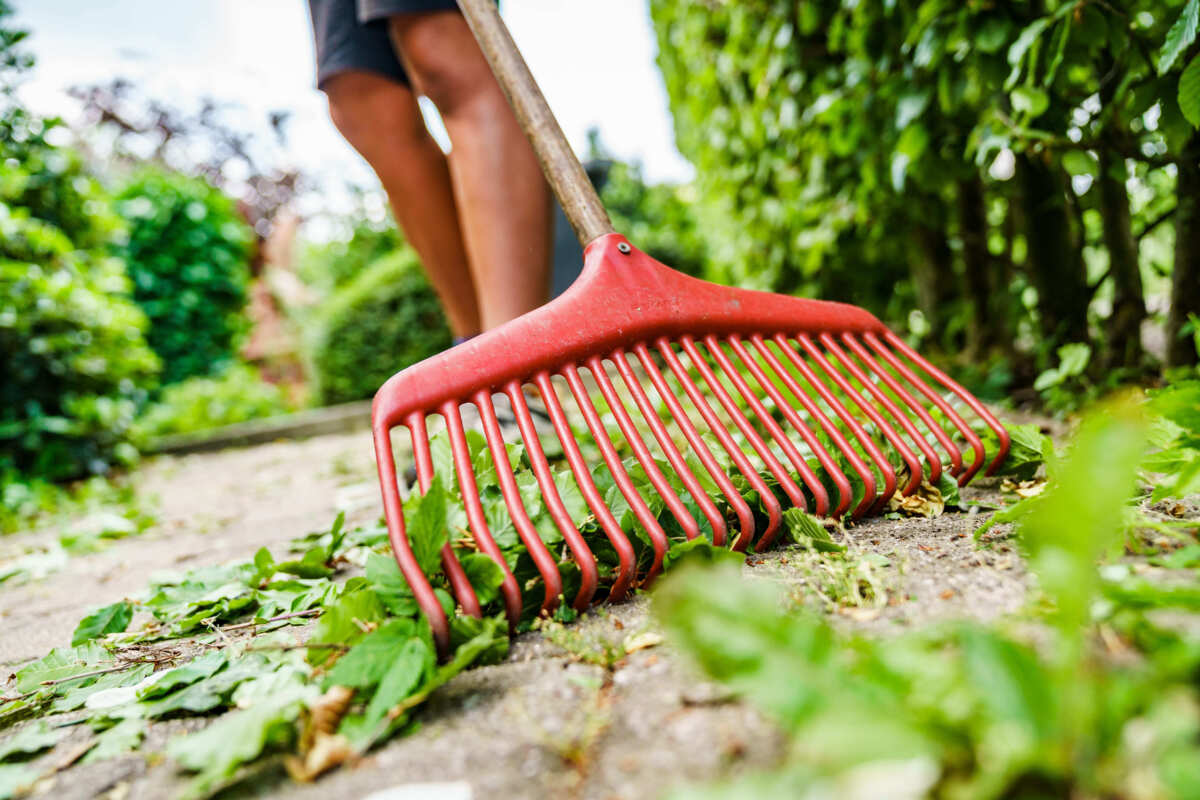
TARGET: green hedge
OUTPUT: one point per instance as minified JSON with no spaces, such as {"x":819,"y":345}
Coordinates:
{"x":188,"y":254}
{"x":384,"y":320}
{"x":71,"y":352}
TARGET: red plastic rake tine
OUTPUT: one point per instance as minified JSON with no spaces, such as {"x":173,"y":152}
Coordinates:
{"x":475,"y":517}
{"x":962,"y":394}
{"x":422,"y":590}
{"x":699,"y":496}
{"x":820,"y":496}
{"x":865,"y":473}
{"x":541,"y":556}
{"x":732,"y":495}
{"x":624,"y":483}
{"x":627,"y":559}
{"x":459,"y":584}
{"x":845,"y":490}
{"x":774,"y":512}
{"x":937,"y":400}
{"x":839,"y":408}
{"x":589,"y":575}
{"x":956,"y":465}
{"x":690,"y":528}
{"x":931,"y":457}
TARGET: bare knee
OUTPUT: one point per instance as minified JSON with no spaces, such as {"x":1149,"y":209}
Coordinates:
{"x":443,"y":59}
{"x":365,"y":107}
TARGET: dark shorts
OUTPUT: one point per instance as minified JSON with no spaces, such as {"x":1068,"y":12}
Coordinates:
{"x":352,"y":34}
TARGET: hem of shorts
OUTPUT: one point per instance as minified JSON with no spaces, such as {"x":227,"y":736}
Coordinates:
{"x":410,"y":7}
{"x":324,"y":77}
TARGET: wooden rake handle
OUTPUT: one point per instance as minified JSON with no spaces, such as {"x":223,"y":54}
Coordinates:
{"x":564,"y":172}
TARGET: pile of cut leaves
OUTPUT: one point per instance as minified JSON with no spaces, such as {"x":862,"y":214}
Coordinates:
{"x":319,"y":656}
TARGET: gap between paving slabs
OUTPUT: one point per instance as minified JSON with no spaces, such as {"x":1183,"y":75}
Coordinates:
{"x":228,"y":638}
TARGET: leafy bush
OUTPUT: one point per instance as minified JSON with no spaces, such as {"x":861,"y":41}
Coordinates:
{"x":72,"y":355}
{"x":237,"y":394}
{"x":188,"y":254}
{"x":384,"y":320}
{"x":71,"y":352}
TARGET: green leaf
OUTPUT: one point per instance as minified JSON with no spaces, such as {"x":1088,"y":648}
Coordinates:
{"x":220,"y":749}
{"x":1028,"y":450}
{"x":909,"y":107}
{"x":1189,"y":92}
{"x":199,"y":668}
{"x":60,"y":664}
{"x":947,"y":486}
{"x":16,"y":778}
{"x":808,"y":532}
{"x":337,"y":534}
{"x":1018,"y":49}
{"x":404,"y":672}
{"x":1180,"y":36}
{"x":1073,"y":358}
{"x":110,"y":619}
{"x":209,"y":693}
{"x":485,"y":575}
{"x":364,"y":729}
{"x":365,"y":664}
{"x":1030,"y":101}
{"x":79,"y":695}
{"x":572,"y":498}
{"x":28,"y":742}
{"x":698,"y":549}
{"x":122,"y":738}
{"x":345,"y":621}
{"x":264,"y":567}
{"x":1180,"y":403}
{"x":1079,"y":516}
{"x":388,"y":582}
{"x":1013,"y":687}
{"x":426,"y":517}
{"x":312,"y":565}
{"x":1079,"y":162}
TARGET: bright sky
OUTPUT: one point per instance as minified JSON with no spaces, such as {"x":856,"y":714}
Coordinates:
{"x":593,"y":58}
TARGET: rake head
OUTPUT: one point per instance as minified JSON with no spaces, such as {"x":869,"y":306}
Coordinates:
{"x":817,"y":398}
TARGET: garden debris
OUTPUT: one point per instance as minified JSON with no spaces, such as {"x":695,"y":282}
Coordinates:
{"x":1024,"y":489}
{"x":926,"y":501}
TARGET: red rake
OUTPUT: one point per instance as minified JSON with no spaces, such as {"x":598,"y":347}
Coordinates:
{"x":632,"y":314}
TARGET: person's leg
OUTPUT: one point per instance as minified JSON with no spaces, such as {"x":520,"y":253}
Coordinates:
{"x":381,"y":120}
{"x":503,"y":201}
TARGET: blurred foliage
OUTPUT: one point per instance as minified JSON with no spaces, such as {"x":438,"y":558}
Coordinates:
{"x":74,"y":361}
{"x":187,"y":252}
{"x":236,"y":394}
{"x":328,"y":266}
{"x":1098,"y":699}
{"x":384,"y":319}
{"x":1004,"y":169}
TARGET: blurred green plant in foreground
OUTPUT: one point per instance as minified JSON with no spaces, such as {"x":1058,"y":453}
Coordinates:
{"x":1098,"y":698}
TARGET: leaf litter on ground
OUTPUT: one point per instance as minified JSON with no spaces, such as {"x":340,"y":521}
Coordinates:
{"x":224,"y":638}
